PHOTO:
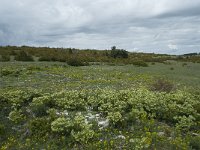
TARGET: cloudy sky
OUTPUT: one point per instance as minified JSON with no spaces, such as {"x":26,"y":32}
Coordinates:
{"x":160,"y":26}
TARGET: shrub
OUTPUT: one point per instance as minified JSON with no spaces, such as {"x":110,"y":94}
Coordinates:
{"x":118,"y":53}
{"x":44,"y":58}
{"x":82,"y":131}
{"x":5,"y":58}
{"x":184,"y":64}
{"x":33,"y":68}
{"x":62,"y":125}
{"x":6,"y":72}
{"x":39,"y":126}
{"x":76,"y":62}
{"x":114,"y":117}
{"x":162,"y":85}
{"x":16,"y":116}
{"x":83,"y":136}
{"x":39,"y":105}
{"x":167,"y":63}
{"x":140,"y":63}
{"x":23,"y":56}
{"x":194,"y":142}
{"x":62,"y":60}
{"x":184,"y":123}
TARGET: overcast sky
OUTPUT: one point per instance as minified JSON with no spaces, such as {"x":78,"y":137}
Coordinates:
{"x":160,"y":26}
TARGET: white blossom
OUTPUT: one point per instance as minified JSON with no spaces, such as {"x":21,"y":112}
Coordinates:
{"x":65,"y":113}
{"x":104,"y":123}
{"x":121,"y":137}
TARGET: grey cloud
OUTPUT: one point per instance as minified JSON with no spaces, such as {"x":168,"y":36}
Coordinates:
{"x":149,"y":26}
{"x":187,"y":12}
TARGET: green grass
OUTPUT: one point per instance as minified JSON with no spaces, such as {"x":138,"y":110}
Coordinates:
{"x":57,"y":76}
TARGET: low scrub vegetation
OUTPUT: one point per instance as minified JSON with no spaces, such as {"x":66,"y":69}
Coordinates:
{"x":9,"y":71}
{"x":162,"y":85}
{"x":115,"y":55}
{"x":76,"y":62}
{"x":23,"y":56}
{"x":102,"y":118}
{"x":140,"y":63}
{"x":107,"y":105}
{"x":4,"y":58}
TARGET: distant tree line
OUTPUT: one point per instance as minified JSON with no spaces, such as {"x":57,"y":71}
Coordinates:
{"x":191,"y":54}
{"x":79,"y":57}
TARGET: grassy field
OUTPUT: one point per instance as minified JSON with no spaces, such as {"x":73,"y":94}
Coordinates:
{"x":51,"y":105}
{"x":50,"y":75}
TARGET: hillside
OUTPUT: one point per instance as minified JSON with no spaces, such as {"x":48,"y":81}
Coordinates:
{"x":117,"y":56}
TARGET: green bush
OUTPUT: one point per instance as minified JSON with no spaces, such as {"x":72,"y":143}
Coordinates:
{"x":45,"y":58}
{"x":5,"y":58}
{"x":140,"y":63}
{"x":62,"y":125}
{"x":23,"y":56}
{"x":9,"y":71}
{"x":184,"y":64}
{"x":40,"y":105}
{"x":195,"y":142}
{"x":16,"y":116}
{"x":6,"y":72}
{"x":162,"y":85}
{"x":118,"y":53}
{"x":39,"y":126}
{"x":76,"y":62}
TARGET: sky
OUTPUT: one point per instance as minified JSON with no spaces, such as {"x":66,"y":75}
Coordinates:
{"x":159,"y":26}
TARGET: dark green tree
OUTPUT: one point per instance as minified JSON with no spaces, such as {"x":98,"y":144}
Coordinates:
{"x":118,"y":53}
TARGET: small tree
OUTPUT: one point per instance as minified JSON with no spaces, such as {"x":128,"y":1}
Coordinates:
{"x":118,"y":53}
{"x":113,"y":48}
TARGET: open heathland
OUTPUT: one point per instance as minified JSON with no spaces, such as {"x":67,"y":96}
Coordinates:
{"x":52,"y":105}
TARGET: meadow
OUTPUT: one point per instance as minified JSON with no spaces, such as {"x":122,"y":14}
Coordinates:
{"x":52,"y":105}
